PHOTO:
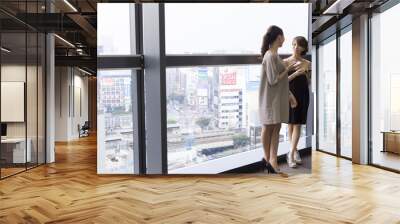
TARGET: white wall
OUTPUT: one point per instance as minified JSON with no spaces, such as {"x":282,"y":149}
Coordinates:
{"x":71,"y":94}
{"x":12,"y":73}
{"x":33,"y":125}
{"x":61,"y":103}
{"x":80,"y":109}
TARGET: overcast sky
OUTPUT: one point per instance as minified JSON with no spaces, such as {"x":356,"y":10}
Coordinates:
{"x":209,"y":27}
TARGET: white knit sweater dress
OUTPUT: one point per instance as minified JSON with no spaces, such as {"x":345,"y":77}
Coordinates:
{"x":273,"y":94}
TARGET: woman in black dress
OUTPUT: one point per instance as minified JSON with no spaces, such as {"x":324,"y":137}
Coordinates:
{"x":299,"y":79}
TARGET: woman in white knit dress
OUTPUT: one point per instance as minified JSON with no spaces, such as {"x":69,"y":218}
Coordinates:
{"x":274,"y":96}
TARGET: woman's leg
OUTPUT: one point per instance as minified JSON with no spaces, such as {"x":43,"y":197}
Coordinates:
{"x":274,"y":146}
{"x":290,"y":132}
{"x":295,"y":139}
{"x":266,"y":133}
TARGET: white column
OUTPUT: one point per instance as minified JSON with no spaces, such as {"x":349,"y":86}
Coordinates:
{"x":360,"y":90}
{"x":50,"y":99}
{"x":313,"y":97}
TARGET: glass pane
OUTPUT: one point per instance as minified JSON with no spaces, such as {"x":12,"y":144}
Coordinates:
{"x":32,"y":98}
{"x":41,"y":99}
{"x":212,"y":113}
{"x":327,"y":97}
{"x":385,"y":84}
{"x":115,"y":131}
{"x":13,"y":87}
{"x":115,"y":39}
{"x":346,"y":94}
{"x":233,"y":28}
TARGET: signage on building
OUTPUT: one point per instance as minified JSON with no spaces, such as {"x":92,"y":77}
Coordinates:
{"x":228,"y":78}
{"x":107,"y":81}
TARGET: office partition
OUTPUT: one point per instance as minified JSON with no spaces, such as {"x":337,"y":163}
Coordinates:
{"x":22,"y":87}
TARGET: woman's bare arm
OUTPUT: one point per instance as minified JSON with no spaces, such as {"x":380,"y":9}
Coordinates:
{"x":273,"y":76}
{"x":292,"y":100}
{"x":308,"y":73}
{"x":303,"y":70}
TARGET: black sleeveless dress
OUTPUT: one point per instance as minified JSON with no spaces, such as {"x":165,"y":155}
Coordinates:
{"x":299,"y":87}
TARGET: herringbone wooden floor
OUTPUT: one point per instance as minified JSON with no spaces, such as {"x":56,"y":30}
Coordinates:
{"x":69,"y":191}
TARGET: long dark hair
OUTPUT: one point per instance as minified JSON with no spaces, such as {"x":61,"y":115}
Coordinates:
{"x":272,"y":33}
{"x":302,"y":42}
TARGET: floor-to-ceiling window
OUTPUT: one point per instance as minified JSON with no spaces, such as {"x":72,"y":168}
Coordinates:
{"x":345,"y":60}
{"x":385,"y":89}
{"x":334,"y":104}
{"x":115,"y":121}
{"x":212,"y":111}
{"x":210,"y":70}
{"x":116,"y":91}
{"x":327,"y":96}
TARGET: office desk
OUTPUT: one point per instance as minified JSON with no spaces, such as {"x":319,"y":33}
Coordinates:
{"x":391,"y":141}
{"x":13,"y":150}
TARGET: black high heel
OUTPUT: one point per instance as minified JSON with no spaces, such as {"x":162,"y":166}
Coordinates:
{"x":270,"y":168}
{"x":263,"y":164}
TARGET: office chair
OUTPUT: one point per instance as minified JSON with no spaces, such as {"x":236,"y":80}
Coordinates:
{"x":84,"y":130}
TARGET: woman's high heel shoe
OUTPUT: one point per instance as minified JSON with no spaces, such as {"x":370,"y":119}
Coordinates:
{"x":270,"y":168}
{"x":291,"y":163}
{"x":263,"y":164}
{"x":297,"y":157}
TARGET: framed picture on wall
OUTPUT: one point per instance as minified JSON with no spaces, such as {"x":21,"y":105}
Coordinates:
{"x":12,"y":101}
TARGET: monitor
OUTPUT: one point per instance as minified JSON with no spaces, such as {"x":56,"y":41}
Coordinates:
{"x":3,"y":129}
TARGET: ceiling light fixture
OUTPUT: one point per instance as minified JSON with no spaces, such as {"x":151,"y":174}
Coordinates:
{"x":70,"y":5}
{"x":5,"y":50}
{"x":64,"y":40}
{"x":84,"y":71}
{"x":338,"y":6}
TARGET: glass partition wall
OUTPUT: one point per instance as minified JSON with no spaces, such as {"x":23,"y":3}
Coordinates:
{"x":22,"y":100}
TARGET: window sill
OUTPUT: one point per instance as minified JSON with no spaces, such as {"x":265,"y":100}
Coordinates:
{"x":234,"y":161}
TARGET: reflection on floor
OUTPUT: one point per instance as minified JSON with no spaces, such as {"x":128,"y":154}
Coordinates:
{"x":387,"y":159}
{"x":10,"y":171}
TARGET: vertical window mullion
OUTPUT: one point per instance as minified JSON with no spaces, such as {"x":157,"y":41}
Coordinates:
{"x":26,"y":87}
{"x":140,"y":105}
{"x":154,"y":78}
{"x":338,"y":74}
{"x":317,"y":98}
